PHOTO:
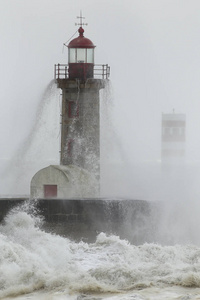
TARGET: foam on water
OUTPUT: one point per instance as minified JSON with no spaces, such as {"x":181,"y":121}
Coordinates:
{"x":33,"y":260}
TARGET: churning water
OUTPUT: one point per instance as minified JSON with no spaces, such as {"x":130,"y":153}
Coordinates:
{"x":39,"y":265}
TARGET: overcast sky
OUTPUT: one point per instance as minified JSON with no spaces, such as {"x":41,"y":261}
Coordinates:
{"x":152,"y":47}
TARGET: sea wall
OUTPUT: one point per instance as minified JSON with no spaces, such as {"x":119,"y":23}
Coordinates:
{"x":135,"y":220}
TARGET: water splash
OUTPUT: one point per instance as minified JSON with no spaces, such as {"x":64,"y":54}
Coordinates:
{"x":117,"y":176}
{"x":33,"y":260}
{"x":40,"y":148}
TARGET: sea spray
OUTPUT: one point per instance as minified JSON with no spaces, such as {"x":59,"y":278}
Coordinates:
{"x":39,"y":149}
{"x":119,"y":177}
{"x":114,"y":157}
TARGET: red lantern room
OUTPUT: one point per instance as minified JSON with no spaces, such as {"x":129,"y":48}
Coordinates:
{"x":81,"y":57}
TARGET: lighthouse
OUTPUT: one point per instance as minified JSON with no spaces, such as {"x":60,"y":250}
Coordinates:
{"x":173,"y":138}
{"x":80,"y":82}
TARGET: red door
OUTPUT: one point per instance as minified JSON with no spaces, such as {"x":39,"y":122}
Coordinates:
{"x":50,"y":191}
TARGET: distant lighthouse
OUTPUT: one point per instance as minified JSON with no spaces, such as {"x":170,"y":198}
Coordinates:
{"x":173,"y":137}
{"x":80,"y":81}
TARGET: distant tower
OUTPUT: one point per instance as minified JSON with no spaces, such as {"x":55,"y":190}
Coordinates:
{"x":78,"y":174}
{"x":80,"y":82}
{"x":173,"y":137}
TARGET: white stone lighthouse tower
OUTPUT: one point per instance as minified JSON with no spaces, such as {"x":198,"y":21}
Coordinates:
{"x":80,"y":81}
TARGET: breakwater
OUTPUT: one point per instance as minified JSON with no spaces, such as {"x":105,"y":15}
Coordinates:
{"x":134,"y":220}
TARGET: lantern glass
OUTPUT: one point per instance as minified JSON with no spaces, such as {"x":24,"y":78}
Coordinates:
{"x":81,"y":55}
{"x":90,"y":56}
{"x":72,"y":55}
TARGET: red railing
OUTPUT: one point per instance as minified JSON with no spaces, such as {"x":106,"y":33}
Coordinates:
{"x":100,"y":71}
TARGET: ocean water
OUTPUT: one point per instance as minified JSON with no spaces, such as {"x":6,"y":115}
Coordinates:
{"x":35,"y":264}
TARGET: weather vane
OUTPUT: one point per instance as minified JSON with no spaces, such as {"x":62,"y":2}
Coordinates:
{"x":81,"y":20}
{"x":81,"y":24}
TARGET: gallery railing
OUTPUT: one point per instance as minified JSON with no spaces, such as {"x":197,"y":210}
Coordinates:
{"x":100,"y":71}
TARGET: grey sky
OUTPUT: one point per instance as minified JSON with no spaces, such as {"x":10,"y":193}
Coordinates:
{"x":153,"y":48}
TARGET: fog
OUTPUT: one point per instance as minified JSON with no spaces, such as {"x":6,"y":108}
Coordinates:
{"x":152,"y":48}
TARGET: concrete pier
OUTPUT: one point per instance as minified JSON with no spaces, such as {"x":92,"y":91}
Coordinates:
{"x":83,"y":219}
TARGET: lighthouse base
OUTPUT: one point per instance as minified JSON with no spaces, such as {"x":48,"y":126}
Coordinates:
{"x":64,"y":182}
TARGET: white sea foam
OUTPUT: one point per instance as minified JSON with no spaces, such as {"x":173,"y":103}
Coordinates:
{"x":33,"y":261}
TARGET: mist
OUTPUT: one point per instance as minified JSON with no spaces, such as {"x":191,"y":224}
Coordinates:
{"x":153,"y":51}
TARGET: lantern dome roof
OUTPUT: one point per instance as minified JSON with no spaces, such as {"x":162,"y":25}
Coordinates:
{"x":81,"y":41}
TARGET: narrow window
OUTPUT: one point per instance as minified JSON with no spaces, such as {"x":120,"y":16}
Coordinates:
{"x":70,"y":146}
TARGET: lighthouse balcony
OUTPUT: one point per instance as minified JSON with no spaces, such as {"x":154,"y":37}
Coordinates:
{"x":61,"y":71}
